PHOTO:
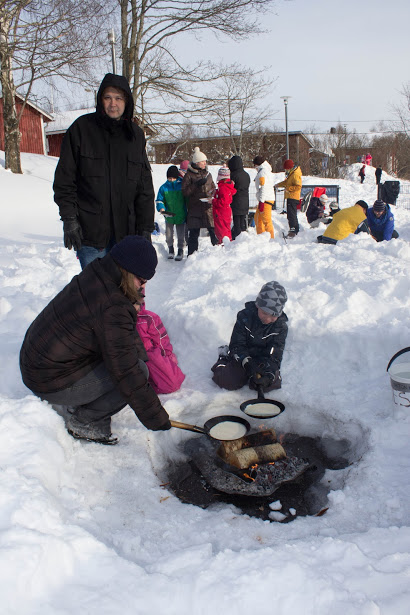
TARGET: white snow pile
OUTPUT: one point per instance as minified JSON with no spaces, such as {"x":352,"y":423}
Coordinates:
{"x":91,"y":529}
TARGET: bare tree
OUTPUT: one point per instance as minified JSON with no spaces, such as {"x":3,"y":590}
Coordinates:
{"x":149,"y":26}
{"x":238,"y":104}
{"x":40,"y":39}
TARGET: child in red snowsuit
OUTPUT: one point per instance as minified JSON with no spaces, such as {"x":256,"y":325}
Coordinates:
{"x":164,"y":374}
{"x":221,"y":204}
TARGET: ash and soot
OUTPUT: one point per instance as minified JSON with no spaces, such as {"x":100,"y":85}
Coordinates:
{"x":252,"y":471}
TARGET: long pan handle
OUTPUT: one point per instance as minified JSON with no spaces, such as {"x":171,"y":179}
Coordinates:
{"x":188,"y":427}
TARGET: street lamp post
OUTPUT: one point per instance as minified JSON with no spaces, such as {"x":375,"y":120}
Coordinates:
{"x":285,"y":101}
{"x":111,"y":38}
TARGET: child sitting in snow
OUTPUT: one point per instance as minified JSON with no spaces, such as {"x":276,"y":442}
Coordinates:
{"x":221,"y":204}
{"x":257,"y":343}
{"x":164,"y":374}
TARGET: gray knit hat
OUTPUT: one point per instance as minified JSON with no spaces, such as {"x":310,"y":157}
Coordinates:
{"x":272,"y":298}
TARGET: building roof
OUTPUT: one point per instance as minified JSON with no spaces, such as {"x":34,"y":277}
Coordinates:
{"x":61,"y":121}
{"x":29,"y":102}
{"x":216,"y":137}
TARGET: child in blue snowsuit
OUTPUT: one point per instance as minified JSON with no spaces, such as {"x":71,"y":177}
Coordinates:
{"x":171,"y":203}
{"x":380,"y":221}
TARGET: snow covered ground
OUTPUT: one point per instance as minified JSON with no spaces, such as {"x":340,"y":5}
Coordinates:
{"x":89,"y":529}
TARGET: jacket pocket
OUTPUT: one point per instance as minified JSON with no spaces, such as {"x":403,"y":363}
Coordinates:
{"x":134,"y":169}
{"x":91,"y":165}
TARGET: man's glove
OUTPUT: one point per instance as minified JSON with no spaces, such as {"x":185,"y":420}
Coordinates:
{"x":164,"y":427}
{"x":201,"y":182}
{"x":261,"y":206}
{"x":73,"y":236}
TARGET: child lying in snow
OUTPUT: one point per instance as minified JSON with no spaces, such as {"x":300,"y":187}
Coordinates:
{"x":164,"y":374}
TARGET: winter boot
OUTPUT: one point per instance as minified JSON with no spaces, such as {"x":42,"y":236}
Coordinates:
{"x":291,"y":235}
{"x":89,"y":432}
{"x":171,"y":252}
{"x":180,"y":255}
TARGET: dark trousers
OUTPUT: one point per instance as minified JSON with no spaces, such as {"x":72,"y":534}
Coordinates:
{"x":95,"y":398}
{"x":378,"y":235}
{"x":239,"y":225}
{"x":292,"y":214}
{"x":323,"y":239}
{"x":193,"y":236}
{"x":229,"y":374}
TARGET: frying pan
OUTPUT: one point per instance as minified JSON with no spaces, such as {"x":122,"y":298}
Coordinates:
{"x":208,"y":430}
{"x":259,"y":408}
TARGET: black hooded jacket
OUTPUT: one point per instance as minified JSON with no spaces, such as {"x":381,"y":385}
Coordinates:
{"x":103,"y":177}
{"x":251,"y":338}
{"x":240,"y":201}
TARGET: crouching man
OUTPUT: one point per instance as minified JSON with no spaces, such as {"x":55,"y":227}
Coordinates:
{"x":258,"y":339}
{"x":83,"y":351}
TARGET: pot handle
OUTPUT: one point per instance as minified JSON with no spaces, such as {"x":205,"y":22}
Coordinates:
{"x":260,"y":392}
{"x":188,"y":427}
{"x":394,"y":357}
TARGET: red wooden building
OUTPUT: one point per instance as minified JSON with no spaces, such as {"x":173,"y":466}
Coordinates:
{"x":33,"y":140}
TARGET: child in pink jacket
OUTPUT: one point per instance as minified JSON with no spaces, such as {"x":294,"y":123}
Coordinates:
{"x":164,"y":374}
{"x":221,"y":204}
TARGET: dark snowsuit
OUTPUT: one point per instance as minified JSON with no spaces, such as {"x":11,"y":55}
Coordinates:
{"x":89,"y":323}
{"x":315,"y":209}
{"x":103,"y":177}
{"x":240,"y":201}
{"x":264,"y":344}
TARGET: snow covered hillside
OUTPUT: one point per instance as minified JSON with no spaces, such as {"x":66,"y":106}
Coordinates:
{"x":90,"y":529}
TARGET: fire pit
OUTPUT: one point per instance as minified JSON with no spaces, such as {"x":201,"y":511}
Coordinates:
{"x":255,"y":465}
{"x":255,"y":470}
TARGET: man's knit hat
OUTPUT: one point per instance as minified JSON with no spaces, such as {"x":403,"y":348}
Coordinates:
{"x":323,"y":198}
{"x":173,"y":172}
{"x":198,"y":156}
{"x":288,"y":164}
{"x":136,"y":255}
{"x":272,"y":298}
{"x":258,"y":160}
{"x":379,"y":205}
{"x":223,"y":173}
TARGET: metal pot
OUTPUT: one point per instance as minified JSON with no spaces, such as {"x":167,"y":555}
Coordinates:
{"x":210,"y":427}
{"x":259,"y":408}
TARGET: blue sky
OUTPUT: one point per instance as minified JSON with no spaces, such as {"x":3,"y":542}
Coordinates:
{"x":340,"y":60}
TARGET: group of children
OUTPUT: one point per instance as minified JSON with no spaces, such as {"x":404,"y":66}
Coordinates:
{"x":173,"y":200}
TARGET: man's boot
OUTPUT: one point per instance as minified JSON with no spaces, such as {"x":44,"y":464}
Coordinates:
{"x":171,"y":252}
{"x":180,"y":255}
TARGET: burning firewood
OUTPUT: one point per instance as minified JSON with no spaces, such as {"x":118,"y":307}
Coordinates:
{"x":247,"y":457}
{"x":263,"y":437}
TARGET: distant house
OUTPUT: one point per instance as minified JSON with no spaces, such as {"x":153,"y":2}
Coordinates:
{"x":31,"y":127}
{"x":218,"y":149}
{"x":56,"y":129}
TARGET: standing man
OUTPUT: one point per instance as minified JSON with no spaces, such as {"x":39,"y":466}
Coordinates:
{"x":378,"y":173}
{"x":103,"y":183}
{"x":293,"y":186}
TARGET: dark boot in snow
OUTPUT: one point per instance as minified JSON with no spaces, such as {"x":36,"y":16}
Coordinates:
{"x":171,"y":252}
{"x":89,"y":432}
{"x":180,"y":255}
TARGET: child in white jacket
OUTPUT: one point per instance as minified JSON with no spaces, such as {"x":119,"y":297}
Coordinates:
{"x":265,"y":193}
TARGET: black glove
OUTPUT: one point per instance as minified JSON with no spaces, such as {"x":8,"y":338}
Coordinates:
{"x":201,"y":182}
{"x":73,"y":236}
{"x":164,"y":427}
